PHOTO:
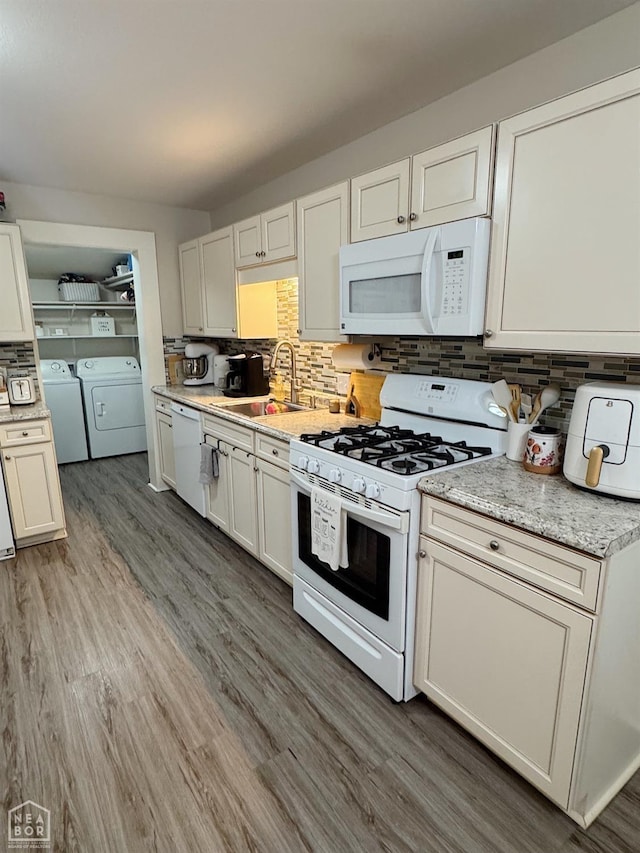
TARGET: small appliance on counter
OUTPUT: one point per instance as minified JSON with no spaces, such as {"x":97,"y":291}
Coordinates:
{"x":220,"y":371}
{"x":22,"y":391}
{"x":603,"y":443}
{"x":246,"y":377}
{"x":197,"y":364}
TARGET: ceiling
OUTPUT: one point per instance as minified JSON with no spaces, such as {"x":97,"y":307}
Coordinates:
{"x":193,"y":102}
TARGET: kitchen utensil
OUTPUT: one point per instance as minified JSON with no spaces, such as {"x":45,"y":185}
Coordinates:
{"x":503,"y":397}
{"x":548,"y":396}
{"x":365,"y":388}
{"x":603,"y":444}
{"x":516,"y":394}
{"x":526,"y":404}
{"x":543,"y":451}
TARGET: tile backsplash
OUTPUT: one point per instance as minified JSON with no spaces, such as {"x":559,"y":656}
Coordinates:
{"x":462,"y":358}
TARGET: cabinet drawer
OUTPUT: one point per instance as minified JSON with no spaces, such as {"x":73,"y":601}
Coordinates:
{"x":236,"y":436}
{"x":163,"y":404}
{"x":563,"y":572}
{"x":24,"y":432}
{"x":272,"y":450}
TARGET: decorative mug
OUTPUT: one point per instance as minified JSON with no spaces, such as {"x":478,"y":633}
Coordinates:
{"x":543,"y":453}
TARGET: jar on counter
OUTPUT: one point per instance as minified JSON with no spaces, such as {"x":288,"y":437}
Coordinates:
{"x":543,"y":453}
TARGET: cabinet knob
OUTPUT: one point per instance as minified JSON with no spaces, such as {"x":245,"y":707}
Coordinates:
{"x":422,"y":554}
{"x":298,"y":331}
{"x":233,"y":330}
{"x":7,"y":458}
{"x":199,"y":328}
{"x":275,"y":452}
{"x":257,"y":254}
{"x":263,"y":254}
{"x":25,"y":432}
{"x":494,"y":545}
{"x":400,"y":220}
{"x":256,"y":469}
{"x":413,"y":217}
{"x":488,"y":333}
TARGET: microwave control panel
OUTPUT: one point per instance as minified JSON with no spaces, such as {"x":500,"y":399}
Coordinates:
{"x":455,"y":277}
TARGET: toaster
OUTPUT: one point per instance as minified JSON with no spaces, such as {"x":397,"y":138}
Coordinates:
{"x":603,"y":444}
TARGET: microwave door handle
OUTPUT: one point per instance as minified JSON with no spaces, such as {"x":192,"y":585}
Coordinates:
{"x":395,"y":522}
{"x":427,"y":265}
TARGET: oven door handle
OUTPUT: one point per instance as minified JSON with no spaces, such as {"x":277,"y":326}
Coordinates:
{"x":388,"y":519}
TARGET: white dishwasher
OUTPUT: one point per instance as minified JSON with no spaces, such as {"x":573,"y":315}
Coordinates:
{"x":187,"y":438}
{"x":7,"y":548}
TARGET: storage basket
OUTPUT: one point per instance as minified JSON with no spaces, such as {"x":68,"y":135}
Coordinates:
{"x":102,"y":325}
{"x":79,"y":291}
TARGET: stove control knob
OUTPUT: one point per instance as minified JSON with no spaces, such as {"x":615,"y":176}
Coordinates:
{"x":303,"y":462}
{"x":335,"y":475}
{"x":373,"y":490}
{"x":358,"y":486}
{"x":313,"y":466}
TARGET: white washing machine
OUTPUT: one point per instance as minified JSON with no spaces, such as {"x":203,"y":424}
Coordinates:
{"x":64,"y":399}
{"x":112,"y":392}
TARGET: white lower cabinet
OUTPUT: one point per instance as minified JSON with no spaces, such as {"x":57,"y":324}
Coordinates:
{"x":274,"y":519}
{"x":507,"y":662}
{"x":533,"y":647}
{"x":249,"y":499}
{"x":165,"y":445}
{"x":33,"y":491}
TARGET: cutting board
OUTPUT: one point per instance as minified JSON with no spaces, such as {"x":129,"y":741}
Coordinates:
{"x":363,"y":396}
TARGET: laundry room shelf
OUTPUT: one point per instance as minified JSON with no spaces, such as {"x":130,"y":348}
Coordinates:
{"x":76,"y":306}
{"x":118,"y":282}
{"x":83,"y":337}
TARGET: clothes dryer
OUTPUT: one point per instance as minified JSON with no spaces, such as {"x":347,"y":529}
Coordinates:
{"x":112,"y":393}
{"x":64,"y":400}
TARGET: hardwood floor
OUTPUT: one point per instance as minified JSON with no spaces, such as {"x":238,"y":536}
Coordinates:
{"x":159,"y":693}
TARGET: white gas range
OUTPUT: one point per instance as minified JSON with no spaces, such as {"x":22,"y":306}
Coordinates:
{"x":367,"y":610}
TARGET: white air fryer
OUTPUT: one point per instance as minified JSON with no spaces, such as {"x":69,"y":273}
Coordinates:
{"x":603,"y":444}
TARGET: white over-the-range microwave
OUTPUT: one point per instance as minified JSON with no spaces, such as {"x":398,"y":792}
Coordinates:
{"x":427,"y":282}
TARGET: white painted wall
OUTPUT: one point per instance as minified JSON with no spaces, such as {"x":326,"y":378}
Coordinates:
{"x":171,"y":226}
{"x":593,"y":54}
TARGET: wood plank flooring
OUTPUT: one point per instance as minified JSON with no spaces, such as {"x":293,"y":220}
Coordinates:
{"x":159,"y":693}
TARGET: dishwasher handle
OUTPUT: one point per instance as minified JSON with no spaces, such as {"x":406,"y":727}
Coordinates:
{"x":185,"y":411}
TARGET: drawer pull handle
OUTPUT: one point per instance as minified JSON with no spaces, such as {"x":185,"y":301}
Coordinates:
{"x":275,"y":452}
{"x":422,"y":554}
{"x":494,"y":545}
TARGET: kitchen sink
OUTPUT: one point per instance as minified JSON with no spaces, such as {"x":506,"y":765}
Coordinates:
{"x":258,"y":409}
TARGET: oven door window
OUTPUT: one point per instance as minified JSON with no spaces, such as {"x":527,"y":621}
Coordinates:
{"x":366,"y":580}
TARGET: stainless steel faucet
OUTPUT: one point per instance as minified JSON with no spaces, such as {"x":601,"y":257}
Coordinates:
{"x":274,"y":359}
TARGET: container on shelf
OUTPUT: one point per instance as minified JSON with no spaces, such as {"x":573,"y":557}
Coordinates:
{"x":102,"y":325}
{"x":79,"y":291}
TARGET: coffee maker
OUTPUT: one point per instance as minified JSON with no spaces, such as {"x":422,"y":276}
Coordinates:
{"x":198,"y":364}
{"x":246,"y":377}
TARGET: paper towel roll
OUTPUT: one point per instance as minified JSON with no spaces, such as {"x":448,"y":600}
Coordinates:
{"x":355,"y":357}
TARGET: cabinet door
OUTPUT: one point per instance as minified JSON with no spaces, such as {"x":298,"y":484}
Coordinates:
{"x":380,"y":201}
{"x":247,"y":237}
{"x":219,"y":284}
{"x":506,"y":662}
{"x":279,"y":233}
{"x":33,"y":489}
{"x":165,"y":446}
{"x":452,"y":181}
{"x":191,"y":288}
{"x":243,"y":499}
{"x":565,"y":264}
{"x":274,"y":519}
{"x":217,"y":498}
{"x":16,"y":322}
{"x":323,"y":226}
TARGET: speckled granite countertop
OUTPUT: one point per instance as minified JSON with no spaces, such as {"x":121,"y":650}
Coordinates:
{"x":547,"y":505}
{"x":24,"y":413}
{"x":285,"y":427}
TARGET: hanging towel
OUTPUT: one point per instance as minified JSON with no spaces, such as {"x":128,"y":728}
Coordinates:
{"x":329,"y":529}
{"x":209,"y":468}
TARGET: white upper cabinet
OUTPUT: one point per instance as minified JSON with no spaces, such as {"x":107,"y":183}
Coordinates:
{"x":219,"y":284}
{"x":269,"y":237}
{"x":191,"y":288}
{"x":565,"y":256}
{"x":323,"y":226}
{"x":451,"y":181}
{"x":16,"y":322}
{"x":379,"y":202}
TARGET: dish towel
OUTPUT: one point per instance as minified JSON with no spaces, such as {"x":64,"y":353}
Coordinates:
{"x":329,"y":529}
{"x":209,"y":468}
